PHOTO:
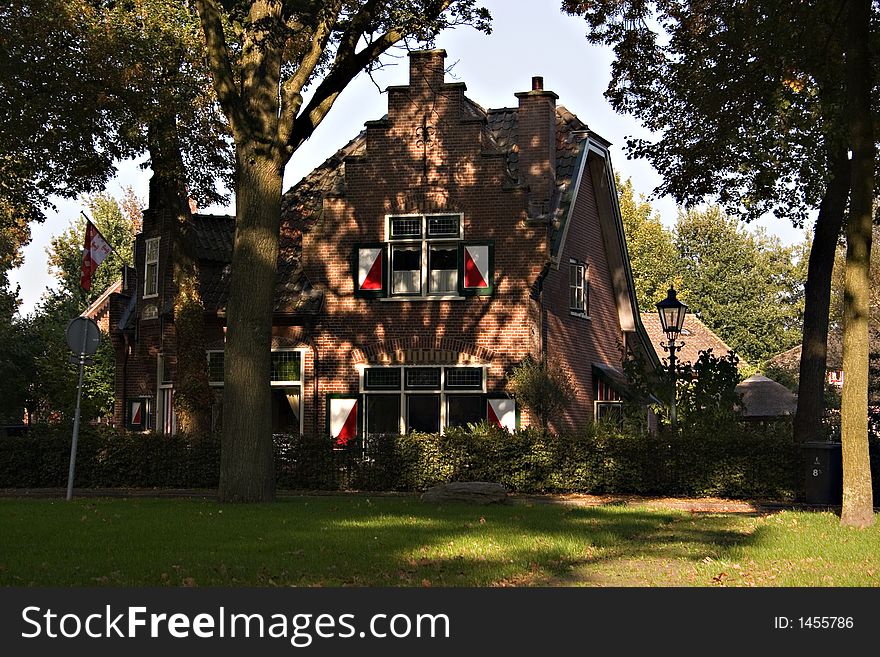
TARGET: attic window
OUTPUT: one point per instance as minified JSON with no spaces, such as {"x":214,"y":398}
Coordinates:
{"x":151,"y":268}
{"x":423,"y":256}
{"x":579,"y":288}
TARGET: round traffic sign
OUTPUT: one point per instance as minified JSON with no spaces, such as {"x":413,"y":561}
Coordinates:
{"x":83,"y":336}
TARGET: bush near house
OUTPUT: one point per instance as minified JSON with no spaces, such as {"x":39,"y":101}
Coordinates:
{"x":736,"y":460}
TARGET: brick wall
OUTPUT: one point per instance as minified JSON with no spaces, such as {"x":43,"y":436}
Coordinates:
{"x":400,"y":174}
{"x":575,"y":342}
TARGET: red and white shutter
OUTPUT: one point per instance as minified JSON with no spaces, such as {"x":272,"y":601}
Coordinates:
{"x":370,"y":263}
{"x":137,"y":413}
{"x":502,"y":413}
{"x":343,"y":419}
{"x":476,"y":264}
{"x":169,"y":418}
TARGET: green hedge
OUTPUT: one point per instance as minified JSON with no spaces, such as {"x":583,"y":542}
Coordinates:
{"x":738,"y":460}
{"x":109,"y":458}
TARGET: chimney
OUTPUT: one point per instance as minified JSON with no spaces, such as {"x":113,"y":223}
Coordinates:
{"x":427,"y":69}
{"x":536,"y":139}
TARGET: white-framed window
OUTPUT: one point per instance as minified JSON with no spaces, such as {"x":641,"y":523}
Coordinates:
{"x":579,"y":288}
{"x":285,"y":377}
{"x":425,"y":398}
{"x":151,"y":268}
{"x":609,"y":411}
{"x":165,"y":416}
{"x":424,"y":252}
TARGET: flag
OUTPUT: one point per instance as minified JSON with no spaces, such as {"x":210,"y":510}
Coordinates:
{"x":95,"y":250}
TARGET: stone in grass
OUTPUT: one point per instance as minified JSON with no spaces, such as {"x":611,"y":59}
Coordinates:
{"x":471,"y":492}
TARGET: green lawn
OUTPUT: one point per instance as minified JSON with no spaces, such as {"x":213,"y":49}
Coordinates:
{"x":360,"y":541}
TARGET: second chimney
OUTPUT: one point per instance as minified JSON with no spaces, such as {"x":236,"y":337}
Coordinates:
{"x":536,"y":139}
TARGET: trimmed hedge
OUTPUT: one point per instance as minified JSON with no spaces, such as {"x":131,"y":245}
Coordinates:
{"x":737,"y":460}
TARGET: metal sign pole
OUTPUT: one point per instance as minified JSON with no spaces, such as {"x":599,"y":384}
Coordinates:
{"x":82,"y":362}
{"x":83,"y":337}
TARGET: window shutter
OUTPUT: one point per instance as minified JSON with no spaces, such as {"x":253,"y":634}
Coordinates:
{"x":476,"y":268}
{"x":138,"y":410}
{"x":502,"y":412}
{"x":370,"y":270}
{"x":343,"y":419}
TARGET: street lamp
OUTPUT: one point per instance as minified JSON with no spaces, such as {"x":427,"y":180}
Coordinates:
{"x":672,"y":312}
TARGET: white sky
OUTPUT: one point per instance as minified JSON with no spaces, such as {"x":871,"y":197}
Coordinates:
{"x":529,"y":37}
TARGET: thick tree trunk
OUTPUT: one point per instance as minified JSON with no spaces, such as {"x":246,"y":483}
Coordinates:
{"x":817,"y":301}
{"x":247,"y":472}
{"x":858,"y":503}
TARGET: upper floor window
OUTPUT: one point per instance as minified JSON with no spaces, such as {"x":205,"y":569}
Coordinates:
{"x":423,"y":256}
{"x":151,"y":268}
{"x":579,"y":288}
{"x":424,"y":253}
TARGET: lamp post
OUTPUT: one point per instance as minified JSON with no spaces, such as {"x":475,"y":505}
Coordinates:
{"x":672,"y":312}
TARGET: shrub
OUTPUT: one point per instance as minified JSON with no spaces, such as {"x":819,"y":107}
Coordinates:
{"x":733,"y":459}
{"x":541,"y":386}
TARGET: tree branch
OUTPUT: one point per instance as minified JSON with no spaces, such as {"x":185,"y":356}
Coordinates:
{"x":346,"y":66}
{"x":291,"y":89}
{"x":221,"y":69}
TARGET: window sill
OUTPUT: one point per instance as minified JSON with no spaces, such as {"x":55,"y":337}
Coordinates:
{"x":575,"y":313}
{"x":433,"y":297}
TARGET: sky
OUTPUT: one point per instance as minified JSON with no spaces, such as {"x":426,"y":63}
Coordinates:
{"x":529,"y":38}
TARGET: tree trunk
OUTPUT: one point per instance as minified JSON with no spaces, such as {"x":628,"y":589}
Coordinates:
{"x":817,"y":301}
{"x":858,"y":509}
{"x":247,"y":471}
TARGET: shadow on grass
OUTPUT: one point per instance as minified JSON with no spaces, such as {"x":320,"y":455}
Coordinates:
{"x":345,"y":542}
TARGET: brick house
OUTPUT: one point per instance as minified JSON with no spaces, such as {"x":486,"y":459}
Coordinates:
{"x":419,"y":263}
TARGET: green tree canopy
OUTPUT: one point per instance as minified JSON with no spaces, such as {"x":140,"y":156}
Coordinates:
{"x":53,"y":379}
{"x":651,"y":247}
{"x":744,"y":285}
{"x":82,"y":84}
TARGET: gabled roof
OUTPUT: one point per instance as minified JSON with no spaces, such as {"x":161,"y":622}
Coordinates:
{"x":695,"y":335}
{"x":100,"y":306}
{"x":791,"y":359}
{"x":501,"y":133}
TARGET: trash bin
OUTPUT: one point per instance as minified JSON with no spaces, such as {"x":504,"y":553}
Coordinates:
{"x":824,"y":472}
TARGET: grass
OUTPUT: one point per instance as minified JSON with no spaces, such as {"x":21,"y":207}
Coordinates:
{"x":359,"y":541}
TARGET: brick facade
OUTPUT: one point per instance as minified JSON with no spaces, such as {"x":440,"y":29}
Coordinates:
{"x":521,"y":183}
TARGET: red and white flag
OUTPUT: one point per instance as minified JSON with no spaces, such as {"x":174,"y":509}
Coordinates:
{"x":95,"y":250}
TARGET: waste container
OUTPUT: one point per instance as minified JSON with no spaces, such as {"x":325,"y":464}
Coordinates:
{"x":824,"y":473}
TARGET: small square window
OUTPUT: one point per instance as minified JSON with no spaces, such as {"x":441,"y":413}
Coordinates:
{"x":444,"y":226}
{"x":425,"y":378}
{"x":286,"y":366}
{"x":464,"y":378}
{"x":382,"y":378}
{"x":406,"y":227}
